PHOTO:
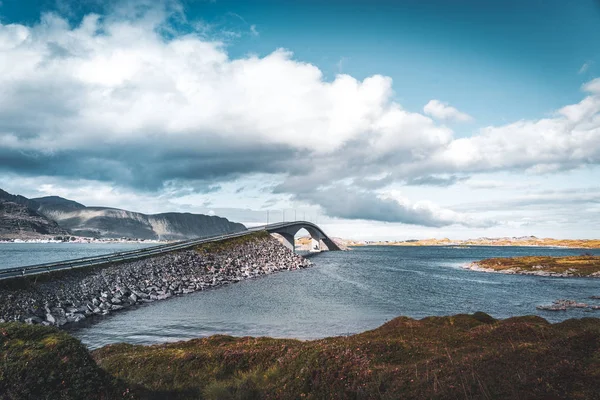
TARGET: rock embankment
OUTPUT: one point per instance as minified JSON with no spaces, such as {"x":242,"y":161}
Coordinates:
{"x":65,"y":297}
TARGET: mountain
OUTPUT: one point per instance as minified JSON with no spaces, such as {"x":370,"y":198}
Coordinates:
{"x":18,"y":221}
{"x":18,"y":199}
{"x":105,"y":222}
{"x":56,"y":203}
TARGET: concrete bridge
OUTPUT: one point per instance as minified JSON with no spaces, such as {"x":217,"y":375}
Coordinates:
{"x":286,"y":229}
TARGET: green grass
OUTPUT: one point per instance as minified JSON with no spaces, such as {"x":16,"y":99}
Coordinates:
{"x":583,"y":265}
{"x":456,"y":357}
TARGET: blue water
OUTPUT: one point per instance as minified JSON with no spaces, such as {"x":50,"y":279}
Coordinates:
{"x":349,"y":292}
{"x":22,"y":254}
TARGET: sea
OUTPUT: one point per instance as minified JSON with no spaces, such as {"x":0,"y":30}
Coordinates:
{"x":341,"y":294}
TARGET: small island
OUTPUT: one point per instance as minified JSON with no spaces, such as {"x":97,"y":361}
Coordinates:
{"x":570,"y":266}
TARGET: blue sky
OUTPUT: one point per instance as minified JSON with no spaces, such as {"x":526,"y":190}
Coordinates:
{"x":502,"y":50}
{"x":495,"y":73}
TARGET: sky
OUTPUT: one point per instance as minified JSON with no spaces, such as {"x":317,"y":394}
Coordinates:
{"x":379,"y":120}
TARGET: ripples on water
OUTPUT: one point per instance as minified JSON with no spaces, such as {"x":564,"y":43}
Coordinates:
{"x":349,"y":292}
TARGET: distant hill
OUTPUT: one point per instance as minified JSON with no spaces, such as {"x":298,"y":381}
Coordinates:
{"x":18,"y":199}
{"x":105,"y":222}
{"x":18,"y":221}
{"x":502,"y":241}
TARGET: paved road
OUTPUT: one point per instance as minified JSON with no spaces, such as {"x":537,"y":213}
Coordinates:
{"x":132,"y":255}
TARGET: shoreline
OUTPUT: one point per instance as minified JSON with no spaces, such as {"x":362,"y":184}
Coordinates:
{"x":68,"y":297}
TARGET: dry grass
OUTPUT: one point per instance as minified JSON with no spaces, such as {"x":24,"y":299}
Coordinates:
{"x":456,"y":357}
{"x":584,"y":265}
{"x":463,"y":356}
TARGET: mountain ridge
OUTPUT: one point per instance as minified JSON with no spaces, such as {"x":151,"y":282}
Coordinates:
{"x":106,"y":222}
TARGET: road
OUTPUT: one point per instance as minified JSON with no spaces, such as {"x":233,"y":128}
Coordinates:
{"x":137,"y":254}
{"x":117,"y":257}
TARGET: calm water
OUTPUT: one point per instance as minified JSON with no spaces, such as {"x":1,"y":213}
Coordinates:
{"x":22,"y":254}
{"x":348,"y":292}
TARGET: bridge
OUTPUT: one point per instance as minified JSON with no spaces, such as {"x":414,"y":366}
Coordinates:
{"x":286,"y":229}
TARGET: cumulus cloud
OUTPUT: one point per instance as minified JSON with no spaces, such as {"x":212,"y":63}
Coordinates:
{"x":129,"y":100}
{"x":345,"y":202}
{"x":445,"y":112}
{"x":566,"y":141}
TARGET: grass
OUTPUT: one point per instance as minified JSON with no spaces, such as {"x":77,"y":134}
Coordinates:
{"x":456,"y":357}
{"x":463,"y":356}
{"x":38,"y":362}
{"x":223,"y":245}
{"x":584,"y":265}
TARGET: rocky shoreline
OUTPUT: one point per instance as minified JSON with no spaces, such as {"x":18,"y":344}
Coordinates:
{"x":565,"y":304}
{"x":72,"y":296}
{"x":536,"y":271}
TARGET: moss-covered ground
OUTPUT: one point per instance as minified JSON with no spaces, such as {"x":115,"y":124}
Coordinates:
{"x":584,"y":265}
{"x":457,"y":357}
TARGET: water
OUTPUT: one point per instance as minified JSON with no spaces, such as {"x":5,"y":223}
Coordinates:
{"x":22,"y":254}
{"x":349,"y":292}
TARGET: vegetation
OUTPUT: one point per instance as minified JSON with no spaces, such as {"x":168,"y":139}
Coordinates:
{"x":222,"y":245}
{"x":461,"y":356}
{"x":464,"y":356}
{"x":38,"y":362}
{"x":584,"y":265}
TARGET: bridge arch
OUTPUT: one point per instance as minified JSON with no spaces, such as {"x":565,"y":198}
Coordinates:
{"x":288,"y":231}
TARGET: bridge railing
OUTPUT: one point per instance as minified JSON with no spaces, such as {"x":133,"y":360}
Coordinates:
{"x":111,"y":258}
{"x":133,"y":254}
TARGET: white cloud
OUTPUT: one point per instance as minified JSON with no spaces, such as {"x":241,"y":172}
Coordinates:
{"x":115,"y":81}
{"x":445,"y":112}
{"x":254,"y":31}
{"x":593,"y":86}
{"x":586,"y":65}
{"x":389,"y":206}
{"x":569,"y":140}
{"x":113,"y":100}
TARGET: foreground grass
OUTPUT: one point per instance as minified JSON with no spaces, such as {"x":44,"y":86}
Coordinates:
{"x":462,"y":356}
{"x":37,"y":362}
{"x":584,"y":265}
